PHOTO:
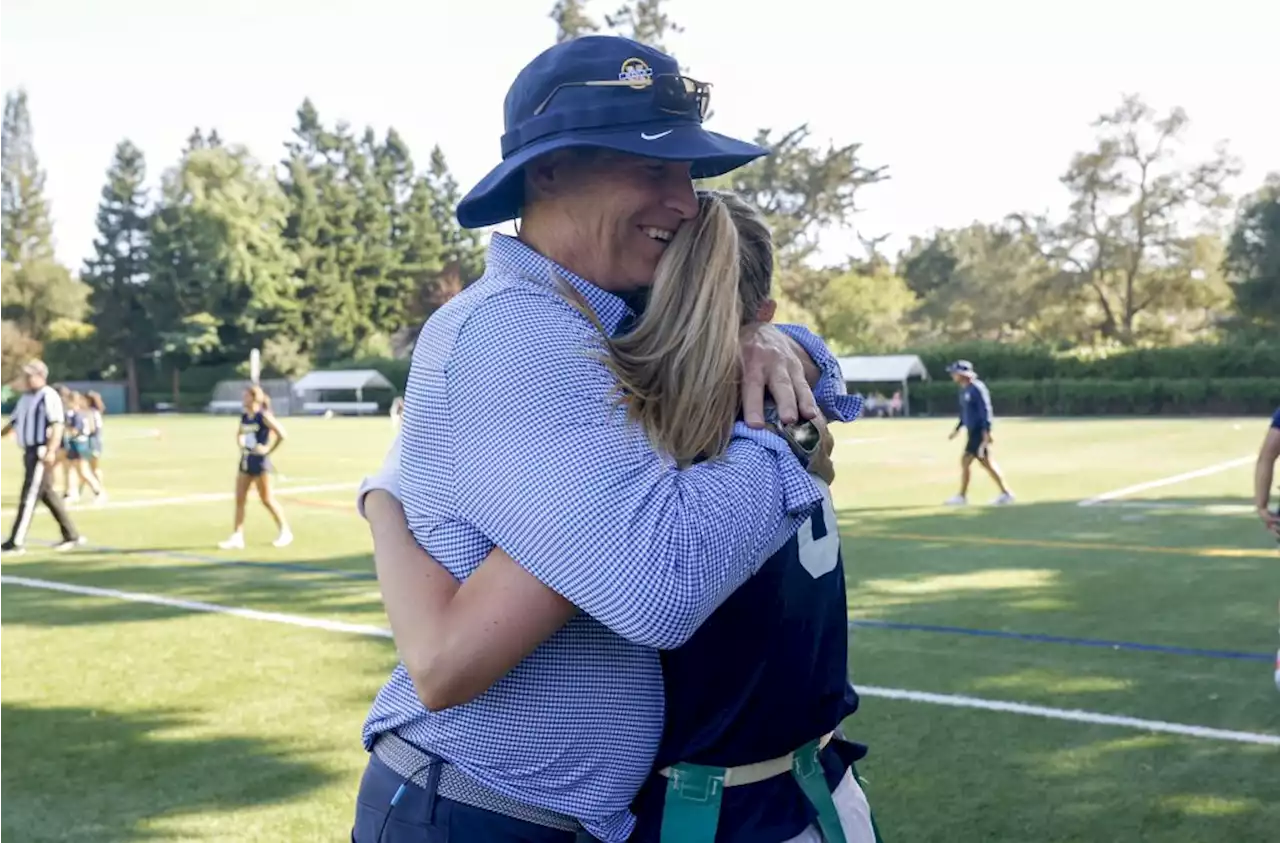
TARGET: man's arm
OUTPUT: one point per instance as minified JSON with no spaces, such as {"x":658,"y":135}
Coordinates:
{"x":559,"y":479}
{"x":1264,"y":474}
{"x":56,"y":415}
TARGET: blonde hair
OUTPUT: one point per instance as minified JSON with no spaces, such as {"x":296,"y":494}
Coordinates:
{"x":678,"y":371}
{"x":260,"y":397}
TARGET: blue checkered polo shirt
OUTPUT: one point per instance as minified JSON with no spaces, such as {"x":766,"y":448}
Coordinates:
{"x":512,"y":436}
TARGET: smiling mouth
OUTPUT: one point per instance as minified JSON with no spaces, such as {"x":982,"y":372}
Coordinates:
{"x":661,"y":234}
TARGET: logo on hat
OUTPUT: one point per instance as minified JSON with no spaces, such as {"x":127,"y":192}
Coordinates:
{"x":636,"y":70}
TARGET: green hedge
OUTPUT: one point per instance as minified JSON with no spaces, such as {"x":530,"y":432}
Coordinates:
{"x":997,"y":362}
{"x":1139,"y":397}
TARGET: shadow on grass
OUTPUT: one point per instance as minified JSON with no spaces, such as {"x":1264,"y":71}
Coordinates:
{"x":1056,"y":568}
{"x":75,"y":774}
{"x":313,"y":592}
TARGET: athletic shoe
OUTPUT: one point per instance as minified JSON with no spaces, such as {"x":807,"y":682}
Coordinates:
{"x":284,"y":539}
{"x":72,"y":544}
{"x":10,"y":547}
{"x":958,"y":500}
{"x":1006,"y":498}
{"x":236,"y":542}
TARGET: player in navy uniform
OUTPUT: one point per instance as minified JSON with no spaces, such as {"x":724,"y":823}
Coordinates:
{"x":256,"y":446}
{"x":753,"y":699}
{"x":976,"y":417}
{"x":77,"y":449}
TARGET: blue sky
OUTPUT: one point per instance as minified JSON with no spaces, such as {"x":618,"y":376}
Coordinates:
{"x":975,"y":107}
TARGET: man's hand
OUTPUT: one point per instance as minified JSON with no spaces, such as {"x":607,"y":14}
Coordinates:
{"x":820,"y":464}
{"x":1270,"y":520}
{"x":771,"y":361}
{"x":49,"y":456}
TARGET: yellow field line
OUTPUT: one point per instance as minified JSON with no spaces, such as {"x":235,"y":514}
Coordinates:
{"x":1216,"y":552}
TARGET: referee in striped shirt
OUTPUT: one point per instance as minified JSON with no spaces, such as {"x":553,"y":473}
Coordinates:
{"x":38,"y":420}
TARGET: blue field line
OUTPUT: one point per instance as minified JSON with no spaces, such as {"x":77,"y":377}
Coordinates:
{"x":1061,"y":639}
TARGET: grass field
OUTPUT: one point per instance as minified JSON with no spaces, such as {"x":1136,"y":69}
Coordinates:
{"x":126,"y":720}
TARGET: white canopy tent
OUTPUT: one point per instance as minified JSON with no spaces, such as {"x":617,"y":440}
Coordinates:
{"x":312,"y":385}
{"x":885,"y":368}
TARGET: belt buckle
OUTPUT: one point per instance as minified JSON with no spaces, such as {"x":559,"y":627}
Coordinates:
{"x":696,"y":785}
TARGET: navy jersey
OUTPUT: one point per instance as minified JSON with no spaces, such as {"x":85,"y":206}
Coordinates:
{"x":764,"y":675}
{"x":975,"y":406}
{"x":253,"y":431}
{"x":1275,"y":419}
{"x":73,"y":427}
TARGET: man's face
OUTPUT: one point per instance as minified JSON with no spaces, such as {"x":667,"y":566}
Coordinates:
{"x":625,"y":211}
{"x":958,"y":378}
{"x":34,"y":381}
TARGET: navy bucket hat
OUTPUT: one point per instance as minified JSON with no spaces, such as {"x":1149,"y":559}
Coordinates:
{"x":606,"y":92}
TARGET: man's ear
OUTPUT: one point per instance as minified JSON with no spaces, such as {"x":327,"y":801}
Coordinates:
{"x":766,"y":311}
{"x":550,"y":174}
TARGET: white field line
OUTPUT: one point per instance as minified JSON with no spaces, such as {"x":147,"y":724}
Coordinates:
{"x":1167,"y":481}
{"x":953,"y":700}
{"x":1076,"y":715}
{"x":198,"y":606}
{"x":207,"y":497}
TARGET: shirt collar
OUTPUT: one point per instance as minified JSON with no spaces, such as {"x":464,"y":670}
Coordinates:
{"x":510,"y":256}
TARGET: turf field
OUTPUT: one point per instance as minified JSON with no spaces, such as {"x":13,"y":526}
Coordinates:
{"x":1041,"y":672}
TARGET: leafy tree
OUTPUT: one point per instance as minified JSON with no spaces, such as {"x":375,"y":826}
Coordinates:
{"x":572,"y":20}
{"x":865,"y":312}
{"x":117,"y":274}
{"x":644,"y":21}
{"x":1125,"y":239}
{"x":16,"y":348}
{"x":192,"y":339}
{"x":38,"y":293}
{"x":217,"y":251}
{"x":1253,"y":260}
{"x":72,"y":350}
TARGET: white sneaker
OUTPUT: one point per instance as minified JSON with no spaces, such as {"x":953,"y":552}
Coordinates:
{"x":236,"y":542}
{"x":63,"y":547}
{"x":958,"y":500}
{"x":100,"y":498}
{"x":284,"y":539}
{"x":1006,"y":498}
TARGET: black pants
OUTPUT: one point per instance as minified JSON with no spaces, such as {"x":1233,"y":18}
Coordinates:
{"x":37,"y":484}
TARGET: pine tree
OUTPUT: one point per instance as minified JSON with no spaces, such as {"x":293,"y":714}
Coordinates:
{"x":462,"y":247}
{"x":117,"y":273}
{"x":319,"y":231}
{"x":28,"y":231}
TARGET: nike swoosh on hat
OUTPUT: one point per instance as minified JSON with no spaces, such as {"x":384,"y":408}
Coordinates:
{"x":648,"y":136}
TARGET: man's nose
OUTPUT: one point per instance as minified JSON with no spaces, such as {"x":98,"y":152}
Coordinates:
{"x":679,"y":193}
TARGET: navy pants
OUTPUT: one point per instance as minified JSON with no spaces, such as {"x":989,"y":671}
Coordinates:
{"x":423,"y":816}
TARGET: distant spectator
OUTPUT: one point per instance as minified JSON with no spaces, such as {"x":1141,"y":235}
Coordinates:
{"x":976,"y":417}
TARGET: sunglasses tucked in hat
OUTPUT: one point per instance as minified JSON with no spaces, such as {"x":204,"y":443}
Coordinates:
{"x":961,"y":367}
{"x":606,"y":92}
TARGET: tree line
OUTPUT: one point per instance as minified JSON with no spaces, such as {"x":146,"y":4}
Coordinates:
{"x":346,"y":245}
{"x":330,"y":256}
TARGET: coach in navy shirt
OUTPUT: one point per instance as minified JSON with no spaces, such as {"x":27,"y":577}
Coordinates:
{"x":975,"y":418}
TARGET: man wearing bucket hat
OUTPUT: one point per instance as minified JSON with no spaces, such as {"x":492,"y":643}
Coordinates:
{"x":603,"y":136}
{"x":976,"y":417}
